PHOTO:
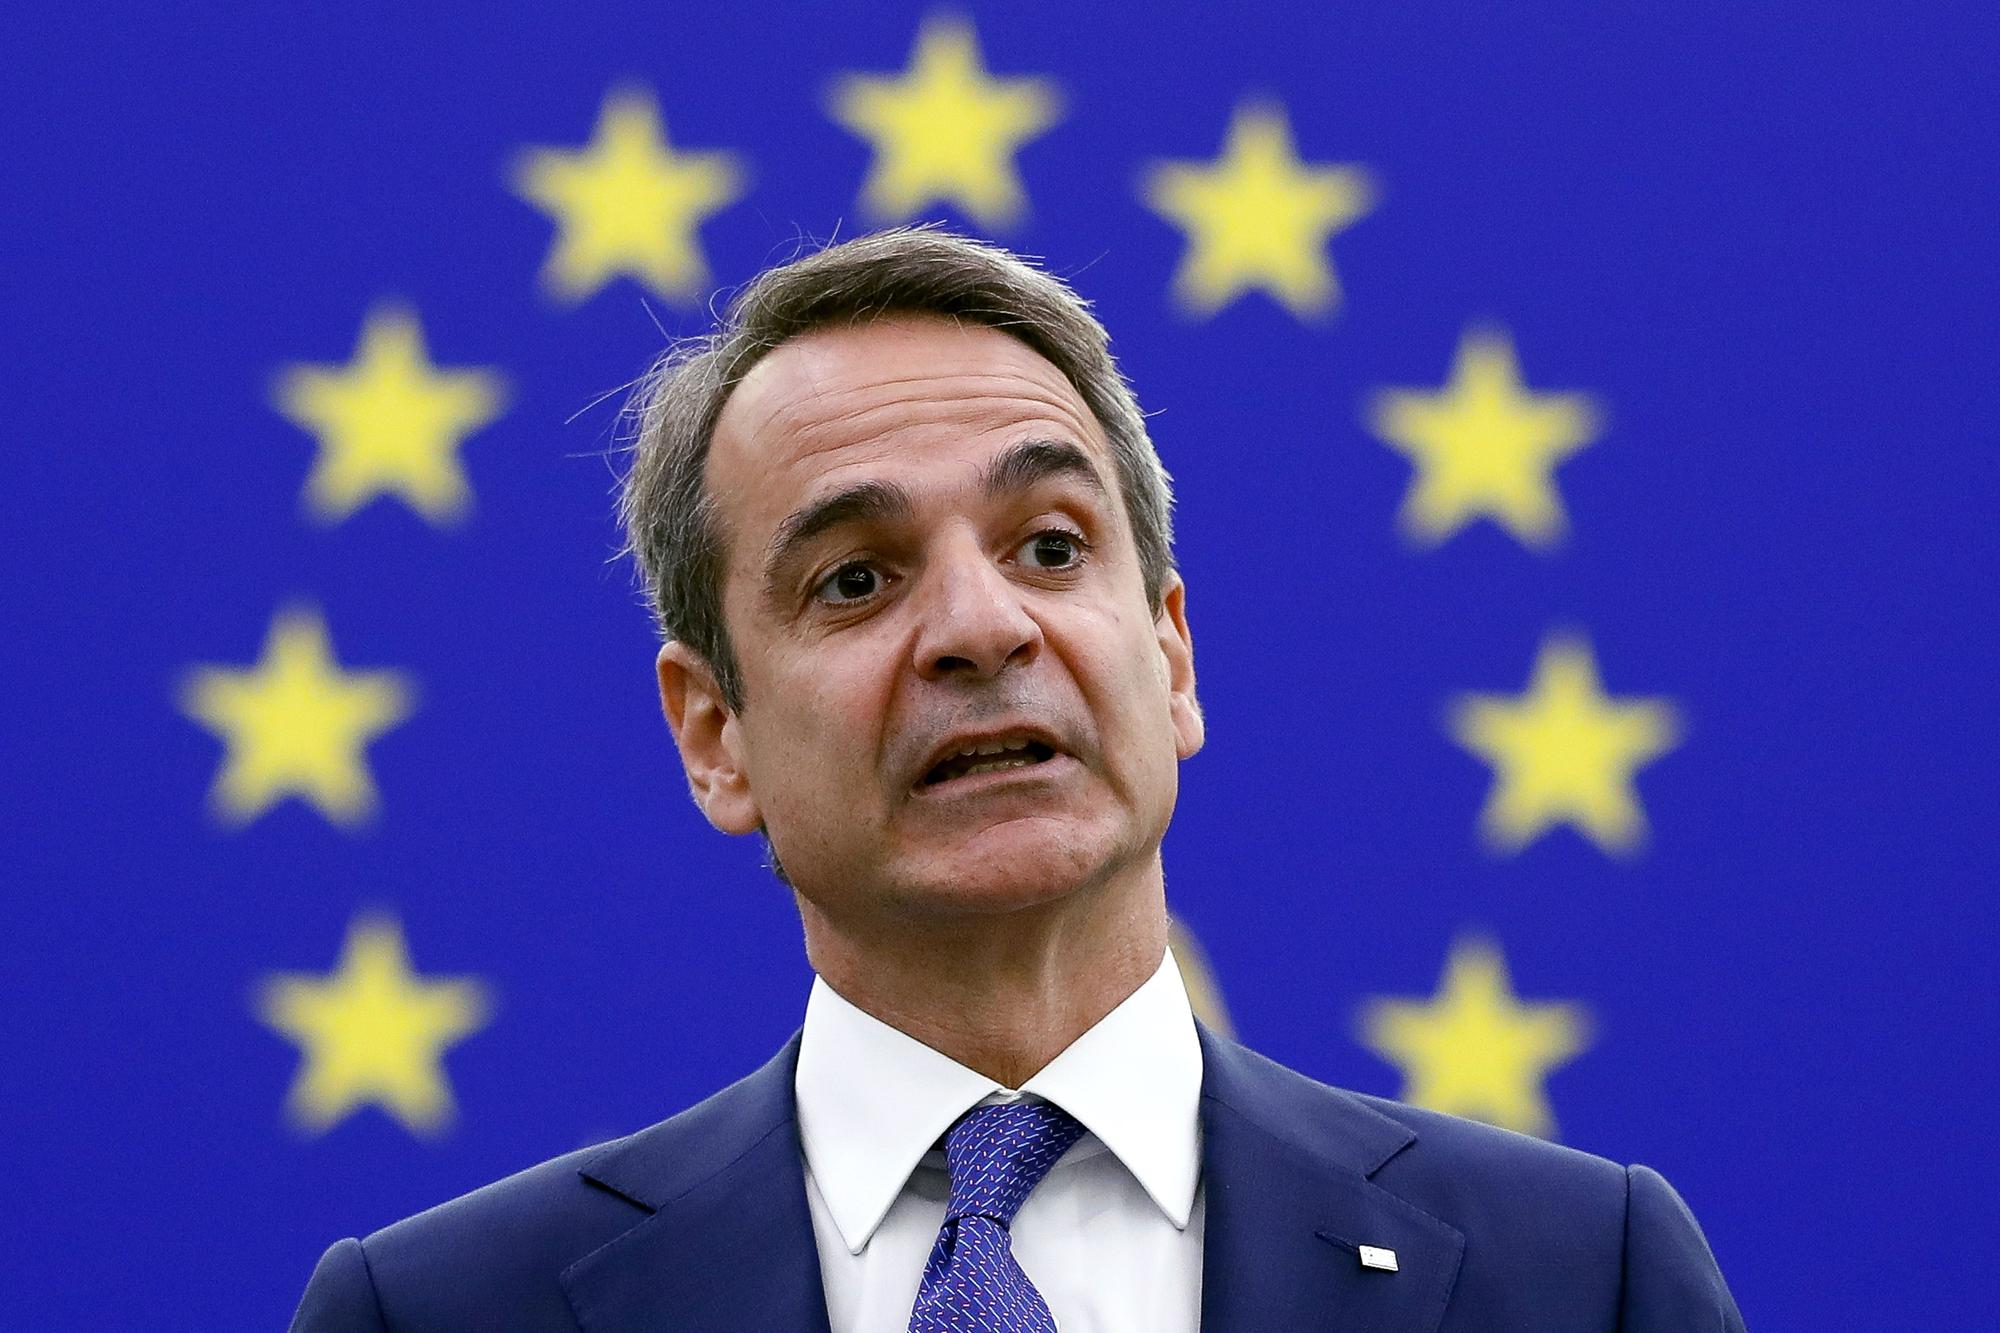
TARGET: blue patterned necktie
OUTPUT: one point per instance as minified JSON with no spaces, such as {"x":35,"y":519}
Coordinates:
{"x":996,"y":1155}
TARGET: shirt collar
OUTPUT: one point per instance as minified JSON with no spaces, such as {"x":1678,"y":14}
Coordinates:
{"x":873,"y":1100}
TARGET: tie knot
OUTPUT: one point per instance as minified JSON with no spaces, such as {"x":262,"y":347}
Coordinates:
{"x":997,"y":1154}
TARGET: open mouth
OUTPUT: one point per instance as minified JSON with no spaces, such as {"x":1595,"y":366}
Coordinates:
{"x":987,"y":757}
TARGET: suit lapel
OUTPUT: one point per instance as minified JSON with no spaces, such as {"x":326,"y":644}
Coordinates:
{"x":1286,"y":1166}
{"x":1289,"y":1202}
{"x":729,"y":1243}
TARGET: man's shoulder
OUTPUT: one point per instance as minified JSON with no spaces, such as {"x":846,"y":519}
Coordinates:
{"x":1474,"y":1171}
{"x":502,"y":1247}
{"x":1474,"y":1145}
{"x":508,"y":1245}
{"x":549,"y":1209}
{"x":567,"y":1196}
{"x":1462,"y":1167}
{"x":1520,"y":1231}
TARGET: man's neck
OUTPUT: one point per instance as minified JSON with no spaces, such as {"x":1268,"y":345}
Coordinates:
{"x":1002,"y":997}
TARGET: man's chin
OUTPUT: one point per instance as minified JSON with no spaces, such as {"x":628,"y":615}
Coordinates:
{"x":1020,"y":864}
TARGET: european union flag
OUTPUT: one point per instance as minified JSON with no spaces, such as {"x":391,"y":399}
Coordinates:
{"x":1578,"y":417}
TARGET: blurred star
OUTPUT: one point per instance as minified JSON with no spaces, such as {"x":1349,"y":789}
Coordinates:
{"x":1474,"y":1049}
{"x":626,"y":204}
{"x":389,"y":422}
{"x":945,"y":131}
{"x":295,"y":724}
{"x":1564,"y":752}
{"x":1258,"y":218}
{"x":372,"y":1032}
{"x":1484,"y":446}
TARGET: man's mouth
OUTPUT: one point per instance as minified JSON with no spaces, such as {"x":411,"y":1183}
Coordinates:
{"x":987,"y":757}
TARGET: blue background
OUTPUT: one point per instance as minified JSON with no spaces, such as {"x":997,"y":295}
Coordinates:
{"x":1760,"y":236}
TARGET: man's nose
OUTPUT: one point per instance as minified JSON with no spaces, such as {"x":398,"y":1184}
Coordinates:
{"x":971,"y":618}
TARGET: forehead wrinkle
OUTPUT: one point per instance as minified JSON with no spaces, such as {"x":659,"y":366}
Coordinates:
{"x":804,"y":379}
{"x":826,"y":404}
{"x":852,"y":414}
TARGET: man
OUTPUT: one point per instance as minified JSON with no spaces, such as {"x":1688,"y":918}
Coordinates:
{"x":909,"y":545}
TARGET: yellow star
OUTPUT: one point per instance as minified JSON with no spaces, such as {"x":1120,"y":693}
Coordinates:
{"x":1484,"y":445}
{"x":1475,"y":1049}
{"x":628,"y":204}
{"x":1564,"y":752}
{"x":295,"y":724}
{"x":371,"y":1032}
{"x":1258,"y":217}
{"x":945,"y":131}
{"x":389,"y":422}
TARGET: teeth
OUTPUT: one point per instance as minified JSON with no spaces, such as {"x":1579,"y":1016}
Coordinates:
{"x":995,"y":765}
{"x":992,"y":757}
{"x":990,"y":747}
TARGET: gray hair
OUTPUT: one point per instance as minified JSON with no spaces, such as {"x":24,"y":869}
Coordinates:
{"x":671,"y":525}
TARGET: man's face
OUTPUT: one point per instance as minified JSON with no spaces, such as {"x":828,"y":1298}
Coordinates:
{"x":928,"y":555}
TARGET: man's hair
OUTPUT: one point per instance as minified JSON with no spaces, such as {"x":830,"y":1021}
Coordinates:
{"x":671,"y":524}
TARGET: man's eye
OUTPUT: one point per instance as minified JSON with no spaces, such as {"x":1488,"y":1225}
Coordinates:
{"x":1053,"y":549}
{"x":849,"y":583}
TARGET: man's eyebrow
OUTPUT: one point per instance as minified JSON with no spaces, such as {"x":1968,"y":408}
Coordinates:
{"x":1015,"y":469}
{"x":1034,"y":461}
{"x":863,"y":502}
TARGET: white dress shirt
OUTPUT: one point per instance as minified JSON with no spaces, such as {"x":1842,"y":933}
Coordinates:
{"x":1111,"y":1237}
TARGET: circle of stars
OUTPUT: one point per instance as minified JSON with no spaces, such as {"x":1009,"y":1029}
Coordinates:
{"x":1258,"y":220}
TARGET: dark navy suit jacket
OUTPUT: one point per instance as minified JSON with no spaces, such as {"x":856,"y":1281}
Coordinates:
{"x":701,"y":1223}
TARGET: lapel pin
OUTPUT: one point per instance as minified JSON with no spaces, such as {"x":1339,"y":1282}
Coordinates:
{"x":1374,"y":1256}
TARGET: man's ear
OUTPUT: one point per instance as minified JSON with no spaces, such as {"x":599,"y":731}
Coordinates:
{"x":1177,"y":651}
{"x":710,"y":740}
